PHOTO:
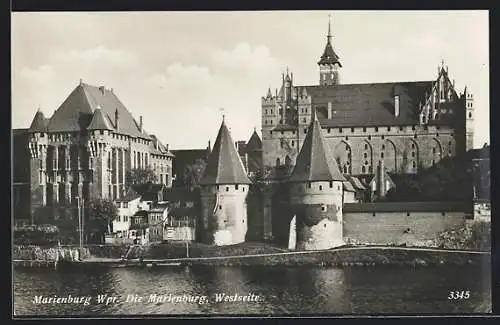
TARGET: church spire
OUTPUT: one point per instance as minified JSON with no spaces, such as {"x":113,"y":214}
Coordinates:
{"x":329,"y":36}
{"x":329,"y":63}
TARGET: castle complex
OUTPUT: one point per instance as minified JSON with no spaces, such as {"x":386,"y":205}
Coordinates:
{"x":407,"y":125}
{"x":323,"y":148}
{"x":86,"y":148}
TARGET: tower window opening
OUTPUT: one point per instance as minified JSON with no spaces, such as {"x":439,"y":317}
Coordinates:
{"x":340,"y":130}
{"x":470,"y":115}
{"x":328,"y":130}
{"x":365,"y":155}
{"x":383,"y":147}
{"x":369,"y":137}
{"x":236,"y":186}
{"x":366,"y":146}
{"x":413,"y":146}
{"x":320,"y":187}
{"x":352,"y":130}
{"x":227,"y":188}
{"x":347,"y":138}
{"x":363,"y":169}
{"x":309,"y":185}
{"x":364,"y":129}
{"x":381,"y":155}
{"x":376,"y":129}
{"x":331,"y":184}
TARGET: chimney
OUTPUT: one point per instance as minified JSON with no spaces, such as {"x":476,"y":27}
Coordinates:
{"x":116,"y":119}
{"x":140,"y":123}
{"x":209,"y":147}
{"x":396,"y":105}
{"x":166,"y":146}
{"x":111,"y":90}
{"x":81,"y":81}
{"x":101,"y":88}
{"x":330,"y":113}
{"x":381,"y":179}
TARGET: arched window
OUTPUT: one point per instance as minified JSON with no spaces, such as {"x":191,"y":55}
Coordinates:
{"x":363,"y":169}
{"x":277,"y":162}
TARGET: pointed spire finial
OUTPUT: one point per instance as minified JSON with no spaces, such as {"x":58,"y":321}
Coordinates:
{"x":287,"y":71}
{"x":39,"y":109}
{"x":442,"y":63}
{"x":329,"y":36}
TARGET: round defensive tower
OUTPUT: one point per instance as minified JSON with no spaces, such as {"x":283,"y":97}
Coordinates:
{"x":316,"y":187}
{"x":224,"y":190}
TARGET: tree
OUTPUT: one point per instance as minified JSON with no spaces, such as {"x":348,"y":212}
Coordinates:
{"x":194,"y":173}
{"x":141,"y":176}
{"x":101,"y":214}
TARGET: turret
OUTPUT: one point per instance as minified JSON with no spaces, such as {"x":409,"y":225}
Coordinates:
{"x":329,"y":64}
{"x":99,"y":148}
{"x":38,"y":147}
{"x":224,"y":189}
{"x":469,"y":120}
{"x":316,"y":192}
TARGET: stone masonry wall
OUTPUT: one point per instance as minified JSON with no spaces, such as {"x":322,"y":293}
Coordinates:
{"x":392,"y":227}
{"x":224,"y":211}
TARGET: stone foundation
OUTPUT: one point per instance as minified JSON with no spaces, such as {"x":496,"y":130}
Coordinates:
{"x":324,"y":235}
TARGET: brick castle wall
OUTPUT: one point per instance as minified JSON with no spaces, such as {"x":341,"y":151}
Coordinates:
{"x":392,"y":227}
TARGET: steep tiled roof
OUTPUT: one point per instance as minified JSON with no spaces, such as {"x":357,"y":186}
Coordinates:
{"x":129,"y":196}
{"x":348,"y":187}
{"x":149,"y":192}
{"x":38,"y":123}
{"x":99,"y":122}
{"x":76,"y":111}
{"x":255,"y":143}
{"x":356,"y":183}
{"x":370,"y":104}
{"x":313,"y":162}
{"x":329,"y":56}
{"x":158,"y":148}
{"x":224,"y":164}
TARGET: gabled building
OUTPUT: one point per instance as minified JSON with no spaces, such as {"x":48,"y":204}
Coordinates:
{"x":86,"y":148}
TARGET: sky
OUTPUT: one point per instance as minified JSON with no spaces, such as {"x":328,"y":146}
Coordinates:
{"x":183,"y":70}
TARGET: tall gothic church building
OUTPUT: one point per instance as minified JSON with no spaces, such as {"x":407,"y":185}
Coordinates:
{"x":404,"y":125}
{"x":85,"y":149}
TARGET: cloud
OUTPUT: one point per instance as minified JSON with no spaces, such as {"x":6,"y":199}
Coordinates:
{"x":97,"y":55}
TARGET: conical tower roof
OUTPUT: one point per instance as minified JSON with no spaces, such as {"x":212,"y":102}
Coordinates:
{"x":329,"y":56}
{"x":99,"y":121}
{"x":224,"y":164}
{"x":38,"y":123}
{"x":315,"y":163}
{"x":255,"y":143}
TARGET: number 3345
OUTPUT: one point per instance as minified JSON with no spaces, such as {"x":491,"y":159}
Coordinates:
{"x":459,"y":295}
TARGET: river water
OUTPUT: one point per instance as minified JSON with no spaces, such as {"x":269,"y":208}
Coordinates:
{"x":271,"y":290}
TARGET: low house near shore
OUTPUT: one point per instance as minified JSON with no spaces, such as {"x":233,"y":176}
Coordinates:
{"x":182,"y":215}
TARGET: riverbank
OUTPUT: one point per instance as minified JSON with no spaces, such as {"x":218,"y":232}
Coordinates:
{"x":339,"y":257}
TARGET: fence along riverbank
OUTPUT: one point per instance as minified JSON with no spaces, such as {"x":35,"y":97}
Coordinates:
{"x":341,"y":257}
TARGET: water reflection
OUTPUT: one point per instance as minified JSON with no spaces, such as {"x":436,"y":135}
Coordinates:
{"x":282,"y":290}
